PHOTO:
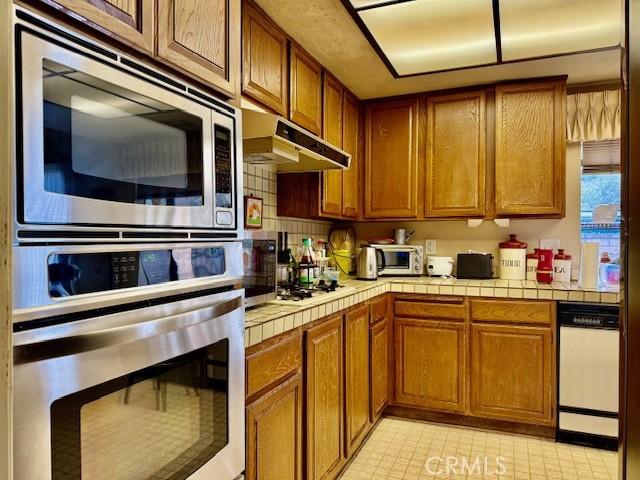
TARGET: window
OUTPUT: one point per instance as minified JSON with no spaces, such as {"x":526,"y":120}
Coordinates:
{"x":600,"y":196}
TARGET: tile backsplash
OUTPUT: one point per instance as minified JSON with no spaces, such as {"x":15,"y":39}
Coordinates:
{"x":260,"y":181}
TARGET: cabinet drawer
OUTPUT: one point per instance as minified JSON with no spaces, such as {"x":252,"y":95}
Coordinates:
{"x":517,"y":311}
{"x":377,"y":309}
{"x":416,"y":309}
{"x":273,"y":364}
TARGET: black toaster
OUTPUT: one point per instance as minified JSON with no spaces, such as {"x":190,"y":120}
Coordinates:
{"x":474,"y":265}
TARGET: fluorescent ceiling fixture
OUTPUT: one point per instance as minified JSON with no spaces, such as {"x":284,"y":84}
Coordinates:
{"x":430,"y":35}
{"x":369,"y":3}
{"x":535,"y":28}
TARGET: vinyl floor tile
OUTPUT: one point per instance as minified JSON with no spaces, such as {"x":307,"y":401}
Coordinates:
{"x":408,"y":450}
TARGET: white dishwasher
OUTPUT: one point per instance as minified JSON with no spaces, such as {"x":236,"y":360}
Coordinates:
{"x":588,"y":374}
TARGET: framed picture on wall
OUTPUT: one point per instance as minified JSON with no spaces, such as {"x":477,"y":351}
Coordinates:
{"x":252,"y":212}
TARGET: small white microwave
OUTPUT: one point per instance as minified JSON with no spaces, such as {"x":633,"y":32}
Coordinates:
{"x":402,"y":260}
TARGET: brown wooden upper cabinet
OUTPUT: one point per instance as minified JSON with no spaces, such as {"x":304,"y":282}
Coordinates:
{"x":350,"y":134}
{"x":391,"y":159}
{"x":456,"y":155}
{"x":264,"y":60}
{"x":305,"y":91}
{"x":130,"y":21}
{"x":332,"y":121}
{"x":202,"y":39}
{"x":530,"y":149}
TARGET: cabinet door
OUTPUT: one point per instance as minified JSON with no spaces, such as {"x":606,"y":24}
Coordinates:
{"x":456,"y":148}
{"x":511,"y":375}
{"x":324,"y":415}
{"x":350,"y":133}
{"x":530,"y":149}
{"x":131,"y":21}
{"x":274,"y":434}
{"x":264,"y":60}
{"x":391,"y":159}
{"x":305,"y":92}
{"x":202,"y":38}
{"x":356,"y":377}
{"x":430,"y":365}
{"x":379,"y":347}
{"x":332,"y":133}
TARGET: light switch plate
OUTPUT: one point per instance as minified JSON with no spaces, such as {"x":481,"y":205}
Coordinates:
{"x":430,"y":247}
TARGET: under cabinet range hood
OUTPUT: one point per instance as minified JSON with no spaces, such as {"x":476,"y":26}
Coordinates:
{"x":271,"y":139}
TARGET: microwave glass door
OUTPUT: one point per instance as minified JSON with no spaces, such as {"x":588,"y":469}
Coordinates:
{"x":105,"y":142}
{"x":104,"y":147}
{"x":163,"y":422}
{"x":397,"y":260}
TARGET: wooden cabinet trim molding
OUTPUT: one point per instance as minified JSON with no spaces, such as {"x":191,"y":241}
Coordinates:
{"x":305,"y":110}
{"x":133,"y":23}
{"x":456,"y":155}
{"x":265,"y":59}
{"x":218,"y":58}
{"x":350,"y":144}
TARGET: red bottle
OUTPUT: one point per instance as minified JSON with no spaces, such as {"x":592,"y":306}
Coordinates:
{"x":545,"y":266}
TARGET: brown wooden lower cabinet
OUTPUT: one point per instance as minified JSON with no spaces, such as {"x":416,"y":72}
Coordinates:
{"x":356,"y":347}
{"x":274,"y":433}
{"x":324,"y":402}
{"x":430,"y":363}
{"x":379,"y":337}
{"x":512,"y":373}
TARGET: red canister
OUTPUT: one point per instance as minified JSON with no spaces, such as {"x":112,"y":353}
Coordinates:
{"x":544,"y":273}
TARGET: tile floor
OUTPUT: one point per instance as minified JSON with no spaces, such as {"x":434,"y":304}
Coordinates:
{"x":403,"y":449}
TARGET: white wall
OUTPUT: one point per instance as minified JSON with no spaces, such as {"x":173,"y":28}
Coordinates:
{"x":455,"y":237}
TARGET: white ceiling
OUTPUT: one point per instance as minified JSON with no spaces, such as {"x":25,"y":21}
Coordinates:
{"x":327,"y":30}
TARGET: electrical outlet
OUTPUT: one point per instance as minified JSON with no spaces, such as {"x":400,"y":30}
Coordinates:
{"x":430,"y":247}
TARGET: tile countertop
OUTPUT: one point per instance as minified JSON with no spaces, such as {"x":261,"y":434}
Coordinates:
{"x":274,"y":318}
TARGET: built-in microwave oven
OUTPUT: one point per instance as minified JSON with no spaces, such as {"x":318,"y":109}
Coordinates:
{"x":401,"y":260}
{"x":112,"y":149}
{"x":259,"y":260}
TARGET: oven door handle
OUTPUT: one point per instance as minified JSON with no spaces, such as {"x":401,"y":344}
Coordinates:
{"x":94,"y":340}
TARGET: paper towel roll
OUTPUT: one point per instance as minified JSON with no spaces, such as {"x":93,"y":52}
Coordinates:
{"x":589,"y":265}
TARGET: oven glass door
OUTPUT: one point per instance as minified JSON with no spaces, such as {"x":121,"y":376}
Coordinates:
{"x":101,"y":146}
{"x":163,"y":422}
{"x":259,"y":262}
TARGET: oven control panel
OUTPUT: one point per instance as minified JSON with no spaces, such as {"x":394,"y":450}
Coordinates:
{"x":79,"y":273}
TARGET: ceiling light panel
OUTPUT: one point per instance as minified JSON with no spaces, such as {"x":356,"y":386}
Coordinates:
{"x":536,"y":28}
{"x":368,"y":3}
{"x":431,"y":35}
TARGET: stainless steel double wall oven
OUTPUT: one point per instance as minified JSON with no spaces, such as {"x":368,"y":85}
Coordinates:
{"x":128,"y":299}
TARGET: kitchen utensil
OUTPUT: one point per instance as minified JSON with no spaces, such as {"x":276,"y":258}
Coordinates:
{"x":562,"y":267}
{"x":532,"y":264}
{"x":370,"y":262}
{"x":513,"y":261}
{"x":439,"y":266}
{"x":544,"y":272}
{"x":474,"y":265}
{"x":401,"y":236}
{"x":589,"y":265}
